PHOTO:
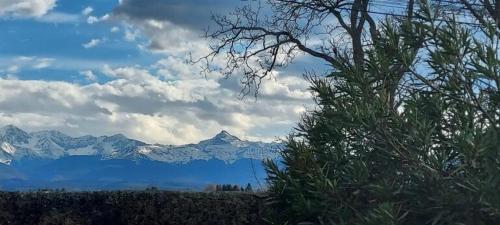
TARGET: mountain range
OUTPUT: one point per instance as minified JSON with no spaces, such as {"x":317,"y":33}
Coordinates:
{"x":51,"y":159}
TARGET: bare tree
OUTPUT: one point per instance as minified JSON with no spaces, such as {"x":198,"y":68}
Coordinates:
{"x":255,"y":40}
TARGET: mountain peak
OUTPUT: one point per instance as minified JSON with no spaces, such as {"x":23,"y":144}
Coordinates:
{"x":13,"y":134}
{"x":119,"y":136}
{"x":225,"y":136}
{"x":116,"y":137}
{"x":16,"y":144}
{"x":9,"y":127}
{"x":224,"y":132}
{"x":222,"y":138}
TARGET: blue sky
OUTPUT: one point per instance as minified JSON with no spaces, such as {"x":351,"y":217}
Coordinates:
{"x":63,"y":39}
{"x":107,"y":66}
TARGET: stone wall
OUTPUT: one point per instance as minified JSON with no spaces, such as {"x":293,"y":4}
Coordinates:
{"x":131,"y":208}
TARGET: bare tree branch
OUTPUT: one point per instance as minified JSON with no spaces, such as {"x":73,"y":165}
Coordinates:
{"x":254,"y":43}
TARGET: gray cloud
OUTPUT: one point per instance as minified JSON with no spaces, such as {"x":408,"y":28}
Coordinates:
{"x":189,"y":13}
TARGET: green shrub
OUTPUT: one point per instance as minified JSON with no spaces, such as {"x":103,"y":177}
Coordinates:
{"x":385,"y":146}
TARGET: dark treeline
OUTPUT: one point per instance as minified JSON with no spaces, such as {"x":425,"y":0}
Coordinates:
{"x":129,"y":207}
{"x":230,"y":187}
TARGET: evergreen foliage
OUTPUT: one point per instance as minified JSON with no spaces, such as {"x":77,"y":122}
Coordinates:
{"x":228,"y":187}
{"x":410,"y":136}
{"x":249,"y":188}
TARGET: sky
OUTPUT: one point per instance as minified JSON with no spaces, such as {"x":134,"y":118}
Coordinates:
{"x":103,"y":67}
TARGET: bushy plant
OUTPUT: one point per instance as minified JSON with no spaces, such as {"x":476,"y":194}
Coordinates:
{"x":385,"y":146}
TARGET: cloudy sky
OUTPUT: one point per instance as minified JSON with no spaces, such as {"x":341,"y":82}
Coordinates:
{"x":106,"y":66}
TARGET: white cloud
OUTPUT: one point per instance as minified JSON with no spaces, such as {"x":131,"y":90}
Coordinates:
{"x":25,"y":58}
{"x":13,"y":69}
{"x":58,"y":17}
{"x":25,"y":63}
{"x":30,"y":120}
{"x":131,"y":35}
{"x":104,"y":17}
{"x":129,"y":73}
{"x":142,"y":105}
{"x":87,"y":11}
{"x":92,"y":43}
{"x":155,"y":23}
{"x":114,"y":29}
{"x":26,"y":8}
{"x":17,"y":64}
{"x":288,"y":87}
{"x":43,"y":63}
{"x":93,"y":19}
{"x":89,"y":75}
{"x":176,"y":68}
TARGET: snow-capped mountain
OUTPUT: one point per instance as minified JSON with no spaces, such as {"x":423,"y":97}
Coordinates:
{"x":51,"y":159}
{"x":14,"y":135}
{"x":16,"y":144}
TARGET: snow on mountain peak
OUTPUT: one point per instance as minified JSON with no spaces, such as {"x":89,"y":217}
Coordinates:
{"x":8,"y":127}
{"x":118,"y":137}
{"x":12,"y":134}
{"x":222,"y":138}
{"x":17,"y":144}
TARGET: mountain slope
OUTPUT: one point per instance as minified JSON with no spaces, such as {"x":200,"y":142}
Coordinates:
{"x":16,"y":144}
